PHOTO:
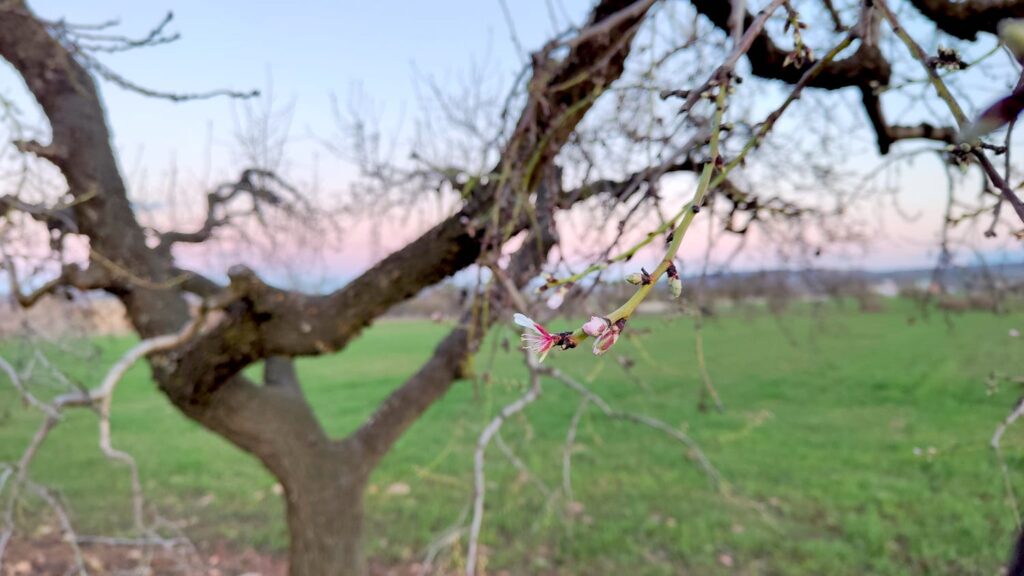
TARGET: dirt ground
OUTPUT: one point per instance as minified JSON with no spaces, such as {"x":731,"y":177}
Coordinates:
{"x":49,"y":555}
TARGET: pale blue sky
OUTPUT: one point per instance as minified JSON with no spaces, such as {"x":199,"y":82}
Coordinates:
{"x":313,"y":49}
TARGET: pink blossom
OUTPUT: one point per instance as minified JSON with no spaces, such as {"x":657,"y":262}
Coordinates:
{"x":536,"y":339}
{"x":596,"y":326}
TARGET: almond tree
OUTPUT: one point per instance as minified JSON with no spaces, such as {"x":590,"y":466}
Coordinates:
{"x":518,"y":194}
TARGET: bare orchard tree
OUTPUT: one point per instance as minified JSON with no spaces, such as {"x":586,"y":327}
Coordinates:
{"x":585,"y":102}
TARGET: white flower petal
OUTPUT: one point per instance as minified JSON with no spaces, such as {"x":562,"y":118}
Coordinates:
{"x":525,"y":322}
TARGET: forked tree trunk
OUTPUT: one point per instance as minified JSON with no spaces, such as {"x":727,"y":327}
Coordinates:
{"x":323,"y":479}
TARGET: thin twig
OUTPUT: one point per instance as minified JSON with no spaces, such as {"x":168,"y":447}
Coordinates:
{"x":521,"y":466}
{"x":479,"y":487}
{"x":995,"y":443}
{"x":101,"y":395}
{"x":954,"y":107}
{"x":694,"y":449}
{"x":570,"y":442}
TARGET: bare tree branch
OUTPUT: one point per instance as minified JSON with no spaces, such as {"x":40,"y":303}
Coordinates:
{"x":966,"y":18}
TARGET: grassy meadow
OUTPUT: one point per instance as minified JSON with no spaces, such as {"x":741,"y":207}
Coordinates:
{"x":851,"y":444}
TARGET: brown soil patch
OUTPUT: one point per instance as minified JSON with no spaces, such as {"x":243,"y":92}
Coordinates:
{"x":49,"y":555}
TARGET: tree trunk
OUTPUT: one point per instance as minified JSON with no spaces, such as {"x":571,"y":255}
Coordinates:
{"x":323,"y":479}
{"x":325,"y":522}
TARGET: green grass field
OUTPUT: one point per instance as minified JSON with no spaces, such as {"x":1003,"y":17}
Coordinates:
{"x":817,"y":443}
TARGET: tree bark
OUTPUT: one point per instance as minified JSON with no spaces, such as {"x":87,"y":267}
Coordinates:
{"x":323,"y":479}
{"x":325,"y":520}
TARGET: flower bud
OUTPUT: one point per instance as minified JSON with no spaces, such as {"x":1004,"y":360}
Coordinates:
{"x":1007,"y":109}
{"x":608,"y":338}
{"x":1012,"y":33}
{"x":555,"y":300}
{"x":635,"y":278}
{"x":675,"y":286}
{"x":596,"y":326}
{"x":605,"y":341}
